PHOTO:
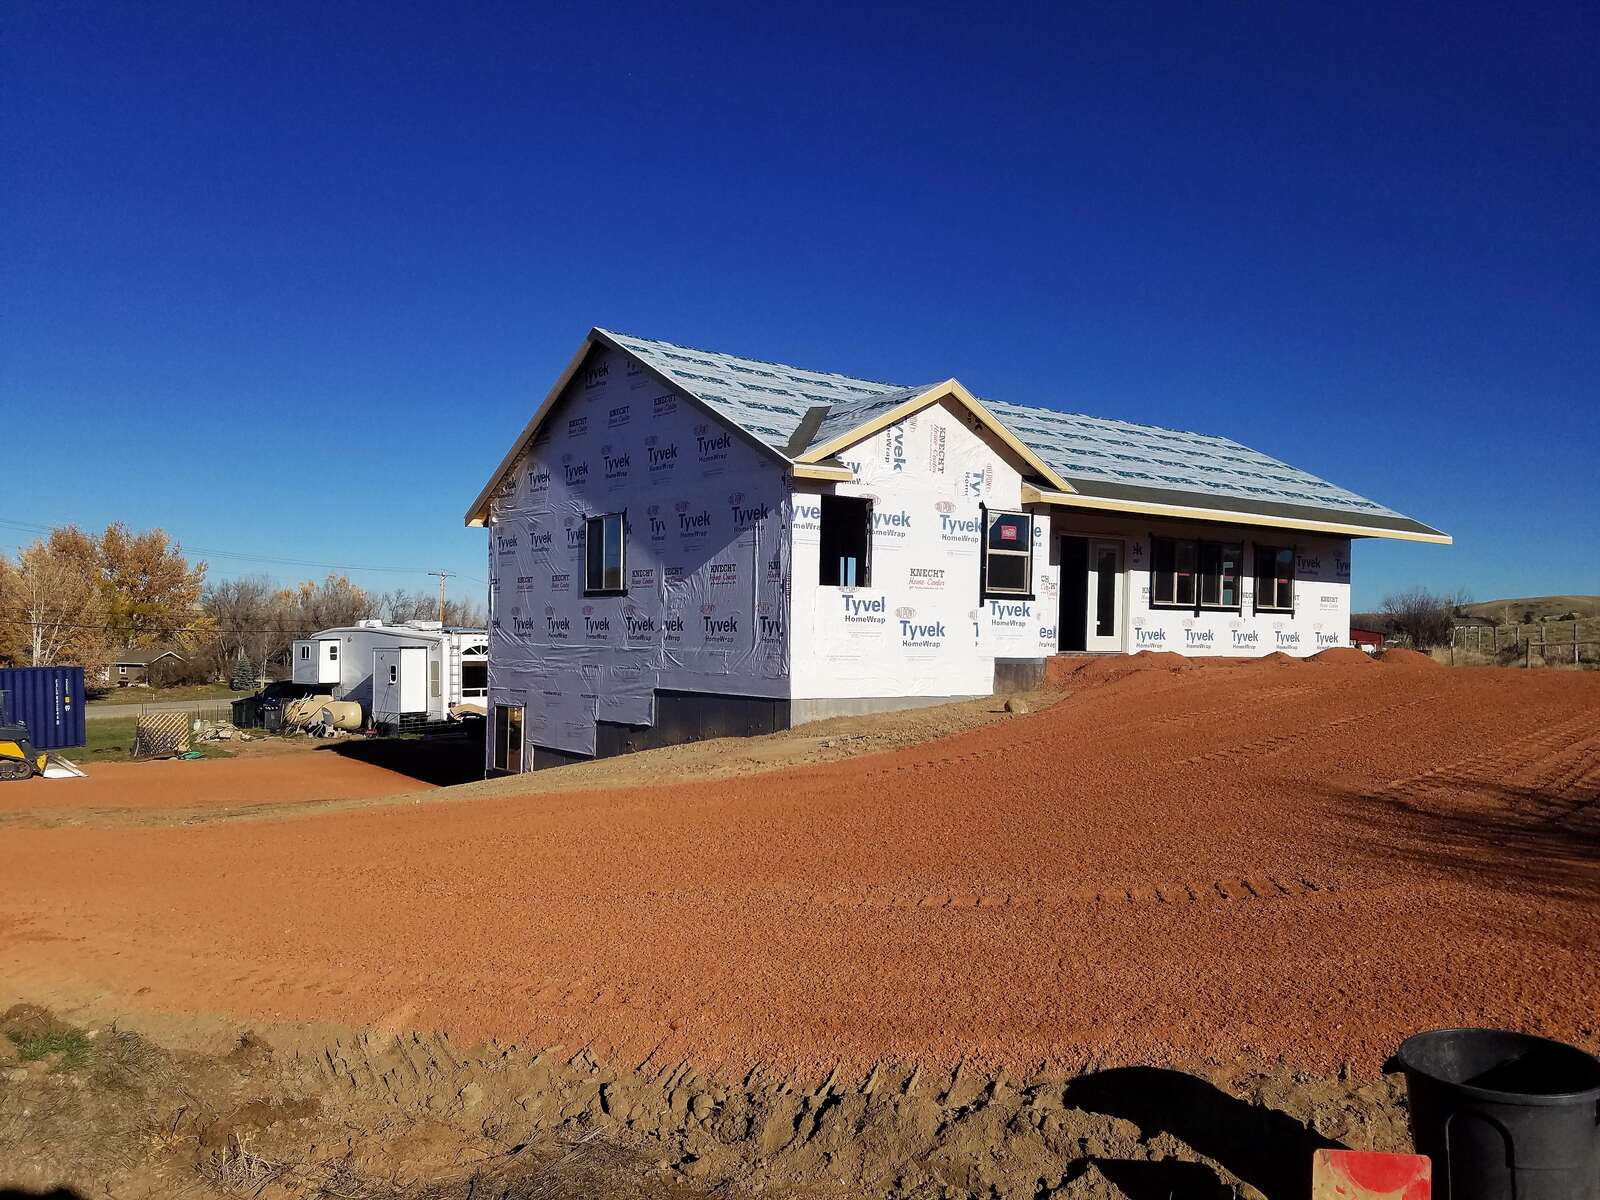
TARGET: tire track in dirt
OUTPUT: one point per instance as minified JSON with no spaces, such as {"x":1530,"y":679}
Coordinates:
{"x":1165,"y":893}
{"x":1282,"y":743}
{"x":1502,"y":767}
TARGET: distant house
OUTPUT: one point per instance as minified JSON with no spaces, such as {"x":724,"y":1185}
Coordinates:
{"x":131,"y":668}
{"x":1369,"y":640}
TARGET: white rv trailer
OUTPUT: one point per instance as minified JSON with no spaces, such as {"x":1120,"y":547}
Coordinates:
{"x":408,"y":674}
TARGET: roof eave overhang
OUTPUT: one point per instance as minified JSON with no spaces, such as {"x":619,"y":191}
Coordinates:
{"x":1192,"y":512}
{"x":949,"y":389}
{"x":478,"y":514}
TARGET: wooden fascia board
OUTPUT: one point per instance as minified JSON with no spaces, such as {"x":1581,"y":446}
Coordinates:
{"x":1035,"y":495}
{"x":949,"y":388}
{"x":829,"y":474}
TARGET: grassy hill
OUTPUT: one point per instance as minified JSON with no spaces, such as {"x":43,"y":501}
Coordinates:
{"x":1532,"y":609}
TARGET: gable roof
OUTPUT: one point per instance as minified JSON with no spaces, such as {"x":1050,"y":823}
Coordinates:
{"x":805,"y":416}
{"x":143,"y":656}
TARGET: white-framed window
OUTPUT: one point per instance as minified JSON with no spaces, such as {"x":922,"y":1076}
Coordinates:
{"x":394,"y":674}
{"x":433,"y":677}
{"x":1007,"y":553}
{"x":846,"y":542}
{"x":305,"y":652}
{"x":1274,"y":578}
{"x":333,"y":651}
{"x":604,"y":550}
{"x":122,"y":670}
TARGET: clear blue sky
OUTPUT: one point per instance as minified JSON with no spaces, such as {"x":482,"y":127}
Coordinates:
{"x":286,"y":279}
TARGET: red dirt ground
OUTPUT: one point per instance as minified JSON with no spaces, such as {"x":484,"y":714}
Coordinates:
{"x":1180,"y":868}
{"x":210,"y":783}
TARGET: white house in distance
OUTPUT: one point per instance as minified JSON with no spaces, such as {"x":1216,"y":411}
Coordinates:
{"x":686,"y":544}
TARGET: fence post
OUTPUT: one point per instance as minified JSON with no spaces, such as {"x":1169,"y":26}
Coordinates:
{"x":1575,"y":643}
{"x":1527,"y":646}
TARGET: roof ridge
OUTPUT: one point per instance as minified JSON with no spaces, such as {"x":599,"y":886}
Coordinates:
{"x":765,"y":362}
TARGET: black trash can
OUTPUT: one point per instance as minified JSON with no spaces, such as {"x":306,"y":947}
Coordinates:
{"x":1504,"y":1116}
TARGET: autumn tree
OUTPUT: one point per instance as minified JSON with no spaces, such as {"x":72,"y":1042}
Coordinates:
{"x":53,"y":603}
{"x":152,"y":593}
{"x":400,"y":605}
{"x":331,"y":602}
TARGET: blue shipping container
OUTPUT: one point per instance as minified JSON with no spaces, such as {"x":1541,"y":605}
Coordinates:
{"x":48,"y":700}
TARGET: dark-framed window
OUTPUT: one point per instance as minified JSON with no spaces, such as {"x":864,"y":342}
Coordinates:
{"x":846,"y":540}
{"x":1193,"y":574}
{"x":1173,"y":567}
{"x":604,"y":550}
{"x":1274,"y":578}
{"x":1222,"y":575}
{"x":1007,"y":554}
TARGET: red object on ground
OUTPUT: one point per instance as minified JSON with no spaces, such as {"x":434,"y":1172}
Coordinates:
{"x":1366,"y":1175}
{"x":1366,"y":637}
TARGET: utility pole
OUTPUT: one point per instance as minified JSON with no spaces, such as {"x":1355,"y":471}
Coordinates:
{"x":443,"y":575}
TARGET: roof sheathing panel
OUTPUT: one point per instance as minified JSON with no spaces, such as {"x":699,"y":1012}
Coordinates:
{"x":768,"y":400}
{"x":1086,"y":450}
{"x":1096,"y":455}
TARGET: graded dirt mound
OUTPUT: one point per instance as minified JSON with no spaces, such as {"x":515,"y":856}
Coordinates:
{"x":293,"y":1111}
{"x":1061,"y":670}
{"x":1401,"y":656}
{"x":1276,"y":659}
{"x":1178,"y":869}
{"x":1342,"y":656}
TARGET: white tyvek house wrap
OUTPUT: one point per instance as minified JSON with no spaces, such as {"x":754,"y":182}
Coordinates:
{"x":1321,"y":617}
{"x":705,"y":560}
{"x":920,"y":628}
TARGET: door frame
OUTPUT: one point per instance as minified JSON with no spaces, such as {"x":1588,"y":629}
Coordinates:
{"x":1092,"y":643}
{"x":499,"y":756}
{"x":1115,"y":642}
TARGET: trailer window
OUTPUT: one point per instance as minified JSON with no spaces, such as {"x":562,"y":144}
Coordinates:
{"x":1172,"y":570}
{"x":333,"y":651}
{"x":603,"y":539}
{"x":474,"y":678}
{"x":1221,"y":564}
{"x":846,"y":542}
{"x":1007,"y":554}
{"x":433,"y":677}
{"x":1274,"y":578}
{"x":394,"y":673}
{"x":305,"y":651}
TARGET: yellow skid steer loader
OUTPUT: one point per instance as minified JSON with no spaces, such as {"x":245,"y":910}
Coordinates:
{"x":18,"y":758}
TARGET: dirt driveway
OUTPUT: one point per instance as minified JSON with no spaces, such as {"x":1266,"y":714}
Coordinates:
{"x":1279,"y":862}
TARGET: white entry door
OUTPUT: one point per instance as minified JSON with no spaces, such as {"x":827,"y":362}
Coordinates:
{"x":1105,"y":594}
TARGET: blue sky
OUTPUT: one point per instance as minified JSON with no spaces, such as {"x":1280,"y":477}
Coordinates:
{"x":286,"y":279}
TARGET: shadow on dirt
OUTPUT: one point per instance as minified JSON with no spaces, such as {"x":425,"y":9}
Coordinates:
{"x":1149,"y":1180}
{"x":442,"y":759}
{"x":1538,"y":841}
{"x":52,"y":1194}
{"x":1263,"y":1147}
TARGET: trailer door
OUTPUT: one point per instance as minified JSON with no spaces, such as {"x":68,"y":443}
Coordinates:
{"x":328,"y":661}
{"x":399,"y":683}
